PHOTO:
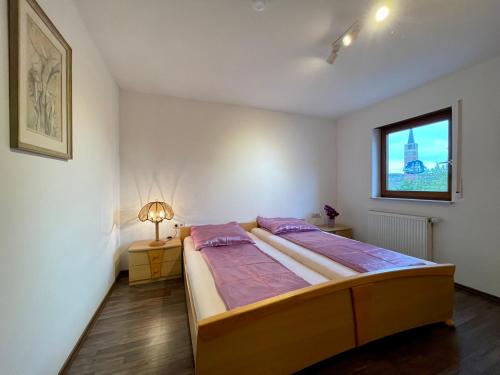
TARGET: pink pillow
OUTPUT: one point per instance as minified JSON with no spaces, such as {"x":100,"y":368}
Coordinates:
{"x":281,"y":225}
{"x":219,"y":235}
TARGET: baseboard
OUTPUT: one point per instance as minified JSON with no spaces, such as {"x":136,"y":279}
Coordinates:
{"x":89,"y":326}
{"x":478,"y":292}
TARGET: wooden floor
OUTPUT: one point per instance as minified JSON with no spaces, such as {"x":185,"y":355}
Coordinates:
{"x":144,"y":330}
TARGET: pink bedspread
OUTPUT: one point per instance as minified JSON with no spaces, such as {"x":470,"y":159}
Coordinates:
{"x":355,"y":255}
{"x":243,"y":274}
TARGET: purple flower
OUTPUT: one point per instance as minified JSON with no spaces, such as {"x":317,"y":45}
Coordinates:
{"x":331,"y":212}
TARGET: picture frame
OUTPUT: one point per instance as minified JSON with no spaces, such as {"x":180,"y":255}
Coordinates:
{"x":40,"y":83}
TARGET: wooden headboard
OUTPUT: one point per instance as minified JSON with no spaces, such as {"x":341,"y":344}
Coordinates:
{"x":186,"y":231}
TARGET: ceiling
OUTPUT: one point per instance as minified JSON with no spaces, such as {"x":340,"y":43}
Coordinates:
{"x":224,"y":51}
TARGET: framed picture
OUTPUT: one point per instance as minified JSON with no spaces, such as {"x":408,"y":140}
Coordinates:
{"x":40,"y":83}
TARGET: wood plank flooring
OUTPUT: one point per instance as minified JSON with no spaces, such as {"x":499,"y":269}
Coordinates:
{"x":144,"y":330}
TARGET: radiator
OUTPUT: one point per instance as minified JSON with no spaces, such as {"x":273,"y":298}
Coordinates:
{"x":411,"y":235}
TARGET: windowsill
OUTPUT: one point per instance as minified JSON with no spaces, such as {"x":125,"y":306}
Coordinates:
{"x":431,"y":201}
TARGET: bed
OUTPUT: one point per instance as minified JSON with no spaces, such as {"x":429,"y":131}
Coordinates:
{"x":291,"y":331}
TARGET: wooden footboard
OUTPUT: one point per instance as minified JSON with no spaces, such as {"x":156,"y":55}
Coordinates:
{"x":278,"y":335}
{"x":398,"y":300}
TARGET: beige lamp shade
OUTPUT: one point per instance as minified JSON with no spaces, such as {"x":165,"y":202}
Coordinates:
{"x":156,"y":212}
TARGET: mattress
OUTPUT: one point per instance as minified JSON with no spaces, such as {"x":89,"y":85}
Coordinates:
{"x":205,"y":297}
{"x":315,"y":261}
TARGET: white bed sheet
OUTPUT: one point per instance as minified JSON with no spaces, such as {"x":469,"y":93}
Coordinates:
{"x":205,"y":297}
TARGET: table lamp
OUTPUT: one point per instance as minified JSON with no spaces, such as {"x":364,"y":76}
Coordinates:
{"x":156,"y":212}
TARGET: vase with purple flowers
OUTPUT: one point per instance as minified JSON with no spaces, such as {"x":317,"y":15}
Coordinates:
{"x":332,"y":214}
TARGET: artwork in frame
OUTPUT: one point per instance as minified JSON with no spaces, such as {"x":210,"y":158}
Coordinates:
{"x":40,"y":83}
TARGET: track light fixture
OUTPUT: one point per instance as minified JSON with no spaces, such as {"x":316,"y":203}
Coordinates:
{"x":345,"y":40}
{"x":350,"y":35}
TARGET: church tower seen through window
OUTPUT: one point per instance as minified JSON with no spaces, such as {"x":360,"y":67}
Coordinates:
{"x":411,"y":149}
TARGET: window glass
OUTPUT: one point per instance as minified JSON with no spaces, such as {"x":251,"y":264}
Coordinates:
{"x":417,"y":158}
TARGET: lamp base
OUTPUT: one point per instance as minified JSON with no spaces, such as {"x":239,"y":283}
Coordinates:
{"x":157,"y":243}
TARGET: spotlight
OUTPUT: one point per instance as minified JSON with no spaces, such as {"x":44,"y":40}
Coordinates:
{"x":331,"y":59}
{"x":347,"y":40}
{"x":333,"y":55}
{"x":382,"y":13}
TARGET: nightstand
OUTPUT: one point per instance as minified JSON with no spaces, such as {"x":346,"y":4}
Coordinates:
{"x":147,"y":264}
{"x":339,"y":230}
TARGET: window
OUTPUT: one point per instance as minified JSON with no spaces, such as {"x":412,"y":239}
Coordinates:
{"x":415,"y":157}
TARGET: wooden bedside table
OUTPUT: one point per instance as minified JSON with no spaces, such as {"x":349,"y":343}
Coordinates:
{"x":339,"y":230}
{"x":147,"y":264}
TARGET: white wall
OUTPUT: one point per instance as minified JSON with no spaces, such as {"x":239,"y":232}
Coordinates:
{"x":469,"y":234}
{"x":58,"y":234}
{"x":216,"y":162}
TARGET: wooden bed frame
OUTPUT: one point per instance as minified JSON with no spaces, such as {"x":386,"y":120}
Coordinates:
{"x":289,"y":332}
